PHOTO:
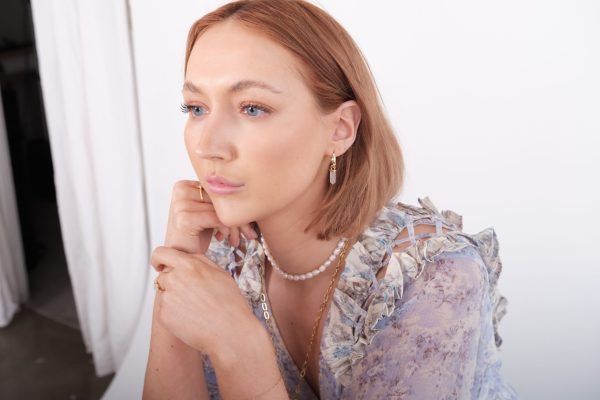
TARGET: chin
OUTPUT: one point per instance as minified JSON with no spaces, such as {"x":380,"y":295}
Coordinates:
{"x":231,"y":213}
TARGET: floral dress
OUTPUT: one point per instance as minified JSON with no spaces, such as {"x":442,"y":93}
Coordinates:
{"x":428,"y":329}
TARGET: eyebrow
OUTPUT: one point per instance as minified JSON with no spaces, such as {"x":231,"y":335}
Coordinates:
{"x":237,"y":87}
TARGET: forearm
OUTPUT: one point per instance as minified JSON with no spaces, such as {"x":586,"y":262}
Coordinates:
{"x":174,"y":370}
{"x":247,"y":368}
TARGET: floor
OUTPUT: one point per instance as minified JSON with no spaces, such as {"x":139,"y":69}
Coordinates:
{"x":42,"y":354}
{"x":50,"y":289}
{"x":44,"y":359}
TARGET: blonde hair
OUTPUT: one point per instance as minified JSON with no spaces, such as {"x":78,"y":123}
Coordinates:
{"x":371,"y":172}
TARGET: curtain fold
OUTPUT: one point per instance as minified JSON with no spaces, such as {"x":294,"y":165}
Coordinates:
{"x":13,"y":277}
{"x":87,"y":79}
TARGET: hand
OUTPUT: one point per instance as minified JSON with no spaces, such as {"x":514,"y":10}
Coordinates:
{"x":201,"y":305}
{"x":192,"y":221}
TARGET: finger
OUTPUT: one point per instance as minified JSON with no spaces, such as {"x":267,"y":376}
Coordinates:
{"x":185,"y":220}
{"x":193,"y":222}
{"x":248,"y":232}
{"x":170,"y":258}
{"x":175,"y":259}
{"x":191,"y":205}
{"x":162,"y":268}
{"x":222,"y":233}
{"x":234,"y":237}
{"x":165,"y":281}
{"x":158,"y":268}
{"x":187,"y":189}
{"x":202,"y":194}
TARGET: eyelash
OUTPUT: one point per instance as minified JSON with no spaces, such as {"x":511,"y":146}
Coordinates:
{"x":186,"y":108}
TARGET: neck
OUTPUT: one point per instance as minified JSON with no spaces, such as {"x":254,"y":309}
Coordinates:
{"x":295,"y":251}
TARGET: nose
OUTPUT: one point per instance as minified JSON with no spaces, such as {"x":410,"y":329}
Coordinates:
{"x":214,"y":138}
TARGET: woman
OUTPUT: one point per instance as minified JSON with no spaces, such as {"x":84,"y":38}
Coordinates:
{"x":288,"y":270}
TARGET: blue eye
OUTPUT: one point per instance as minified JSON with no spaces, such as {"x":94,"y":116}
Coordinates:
{"x":254,"y":110}
{"x":196,"y":111}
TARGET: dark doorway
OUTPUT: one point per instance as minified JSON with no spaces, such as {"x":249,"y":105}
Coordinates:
{"x":31,"y":366}
{"x":31,"y":161}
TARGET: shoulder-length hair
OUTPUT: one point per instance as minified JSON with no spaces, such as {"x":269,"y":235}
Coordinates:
{"x":371,"y":171}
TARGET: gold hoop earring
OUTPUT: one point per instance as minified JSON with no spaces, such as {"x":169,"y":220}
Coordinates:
{"x":332,"y":170}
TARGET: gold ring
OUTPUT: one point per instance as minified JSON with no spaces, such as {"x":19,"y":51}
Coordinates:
{"x":157,"y":285}
{"x":201,"y":195}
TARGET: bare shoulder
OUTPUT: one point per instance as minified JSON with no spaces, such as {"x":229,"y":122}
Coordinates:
{"x":419,"y":229}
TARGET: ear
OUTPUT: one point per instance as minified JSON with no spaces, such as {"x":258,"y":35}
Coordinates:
{"x":346,"y":121}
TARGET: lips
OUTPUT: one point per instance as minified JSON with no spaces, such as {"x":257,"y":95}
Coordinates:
{"x":220,"y":181}
{"x":220,"y":185}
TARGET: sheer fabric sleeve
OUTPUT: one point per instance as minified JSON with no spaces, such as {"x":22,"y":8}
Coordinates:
{"x":428,"y":348}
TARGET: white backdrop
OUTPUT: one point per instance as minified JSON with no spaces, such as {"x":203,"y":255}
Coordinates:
{"x":496,"y":107}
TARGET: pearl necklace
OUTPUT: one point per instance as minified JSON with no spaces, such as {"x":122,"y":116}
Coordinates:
{"x":307,"y":275}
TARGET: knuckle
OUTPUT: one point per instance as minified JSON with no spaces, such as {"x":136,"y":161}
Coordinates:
{"x":157,"y":250}
{"x":154,"y":256}
{"x":180,"y":183}
{"x":158,"y":254}
{"x":179,"y":189}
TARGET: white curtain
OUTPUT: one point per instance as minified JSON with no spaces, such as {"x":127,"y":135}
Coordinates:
{"x":13,"y":279}
{"x":88,"y":85}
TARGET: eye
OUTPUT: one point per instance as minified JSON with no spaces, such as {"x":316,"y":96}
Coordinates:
{"x":196,"y":111}
{"x":255,"y":110}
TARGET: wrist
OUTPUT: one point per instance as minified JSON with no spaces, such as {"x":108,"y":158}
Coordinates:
{"x":247,"y":365}
{"x":248,"y":345}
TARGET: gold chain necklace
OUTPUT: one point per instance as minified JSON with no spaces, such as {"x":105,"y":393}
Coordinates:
{"x":267,"y":315}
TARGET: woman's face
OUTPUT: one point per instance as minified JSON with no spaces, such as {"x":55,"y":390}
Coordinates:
{"x":254,"y":122}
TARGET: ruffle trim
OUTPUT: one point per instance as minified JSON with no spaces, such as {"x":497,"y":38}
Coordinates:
{"x":364,"y":303}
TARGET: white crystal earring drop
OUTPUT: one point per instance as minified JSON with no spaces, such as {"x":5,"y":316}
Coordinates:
{"x":332,"y":170}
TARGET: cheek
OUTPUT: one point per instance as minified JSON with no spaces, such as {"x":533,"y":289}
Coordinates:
{"x":188,"y":140}
{"x":289,"y":164}
{"x":278,"y":163}
{"x":190,"y":147}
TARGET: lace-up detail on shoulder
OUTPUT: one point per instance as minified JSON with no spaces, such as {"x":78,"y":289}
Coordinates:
{"x":364,"y":303}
